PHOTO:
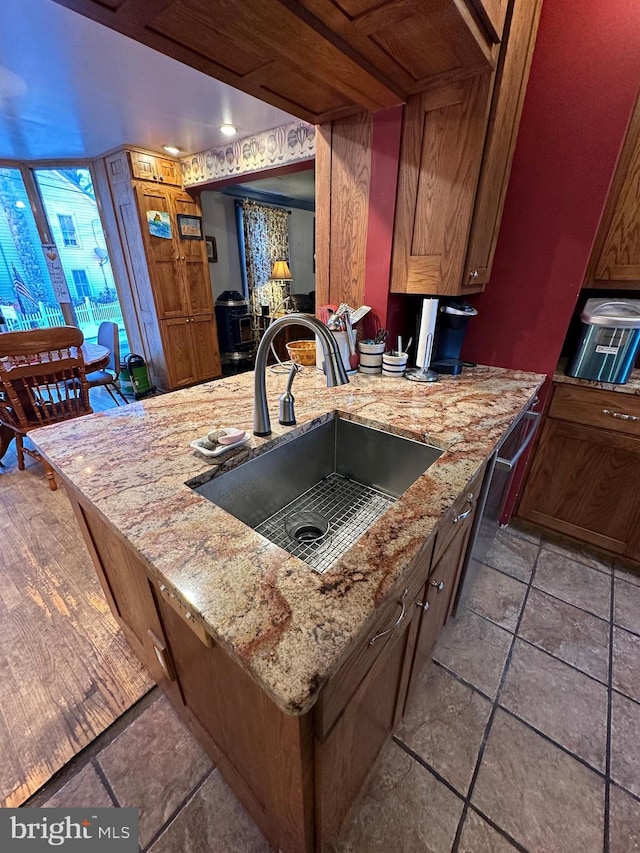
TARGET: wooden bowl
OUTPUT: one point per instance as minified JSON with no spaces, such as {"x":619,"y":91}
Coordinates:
{"x":302,"y":352}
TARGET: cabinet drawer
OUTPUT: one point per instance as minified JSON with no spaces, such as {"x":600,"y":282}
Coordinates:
{"x":387,"y":622}
{"x":592,"y":407}
{"x":461,"y":511}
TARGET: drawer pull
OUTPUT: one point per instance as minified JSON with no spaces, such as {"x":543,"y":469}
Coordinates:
{"x":620,"y":415}
{"x":461,"y":516}
{"x":439,"y":585}
{"x":396,"y":623}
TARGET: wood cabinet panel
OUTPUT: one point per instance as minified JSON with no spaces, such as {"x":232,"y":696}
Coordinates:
{"x":583,"y":482}
{"x":593,"y":407}
{"x":148,"y":167}
{"x":177,"y":339}
{"x":504,"y":120}
{"x":492,"y":14}
{"x":615,"y":259}
{"x":196,"y":286}
{"x":345,"y":759}
{"x":441,"y":150}
{"x":204,"y":340}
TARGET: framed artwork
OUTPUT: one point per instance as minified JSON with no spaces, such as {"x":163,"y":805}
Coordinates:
{"x":212,"y":249}
{"x":189,"y":227}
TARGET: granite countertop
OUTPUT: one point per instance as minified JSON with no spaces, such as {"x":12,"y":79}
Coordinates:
{"x":632,"y":386}
{"x":288,"y":627}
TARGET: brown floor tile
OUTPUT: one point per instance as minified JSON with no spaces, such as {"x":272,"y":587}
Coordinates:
{"x":624,"y":822}
{"x":626,"y":605}
{"x":576,"y":551}
{"x":403,"y":808}
{"x":625,"y":743}
{"x":525,"y":530}
{"x":154,"y":765}
{"x":475,"y":649}
{"x":494,"y":595}
{"x":573,"y":582}
{"x":546,"y":800}
{"x":563,"y":630}
{"x":478,"y":837}
{"x":212,"y":820}
{"x":559,"y":701}
{"x":626,"y":573}
{"x":83,"y":789}
{"x":444,"y":725}
{"x":626,"y":663}
{"x":512,"y":554}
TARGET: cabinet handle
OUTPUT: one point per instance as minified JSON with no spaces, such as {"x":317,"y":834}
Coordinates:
{"x":424,"y":604}
{"x":474,"y":274}
{"x":439,"y":585}
{"x":162,"y":653}
{"x":396,"y":623}
{"x":620,"y":415}
{"x":461,"y":516}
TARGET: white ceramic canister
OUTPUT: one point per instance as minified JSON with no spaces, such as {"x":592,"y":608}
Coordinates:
{"x":394,"y":365}
{"x":370,"y":357}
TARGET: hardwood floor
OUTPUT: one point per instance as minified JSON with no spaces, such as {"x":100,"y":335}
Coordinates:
{"x":66,"y":671}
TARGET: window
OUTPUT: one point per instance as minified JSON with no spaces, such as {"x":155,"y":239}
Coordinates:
{"x":81,"y":283}
{"x":68,"y":228}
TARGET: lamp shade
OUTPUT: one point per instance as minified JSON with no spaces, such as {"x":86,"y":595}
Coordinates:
{"x":281,"y":272}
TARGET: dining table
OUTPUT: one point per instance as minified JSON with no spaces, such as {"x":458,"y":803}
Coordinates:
{"x":96,"y":357}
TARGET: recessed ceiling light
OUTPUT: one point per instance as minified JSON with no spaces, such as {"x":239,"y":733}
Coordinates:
{"x":228,"y":129}
{"x":172,"y":149}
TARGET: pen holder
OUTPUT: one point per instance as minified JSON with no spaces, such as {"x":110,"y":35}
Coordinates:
{"x":370,"y":357}
{"x":394,"y":365}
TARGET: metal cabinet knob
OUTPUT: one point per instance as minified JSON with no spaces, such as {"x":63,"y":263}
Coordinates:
{"x":424,"y":604}
{"x":439,"y":585}
{"x":474,"y":274}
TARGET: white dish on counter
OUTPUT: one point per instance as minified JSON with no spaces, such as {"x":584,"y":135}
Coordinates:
{"x":200,"y":444}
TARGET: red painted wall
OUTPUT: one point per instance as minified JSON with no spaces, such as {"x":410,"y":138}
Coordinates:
{"x":583,"y":85}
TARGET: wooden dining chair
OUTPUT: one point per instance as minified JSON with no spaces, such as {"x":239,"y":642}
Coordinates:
{"x":42,"y":381}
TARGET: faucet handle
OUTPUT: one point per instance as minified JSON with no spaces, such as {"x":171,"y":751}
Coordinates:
{"x":286,"y":414}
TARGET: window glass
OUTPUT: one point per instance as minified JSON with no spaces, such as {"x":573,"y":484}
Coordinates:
{"x":67,"y":229}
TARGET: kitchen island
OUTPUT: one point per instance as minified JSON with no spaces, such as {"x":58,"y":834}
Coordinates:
{"x":271,"y":664}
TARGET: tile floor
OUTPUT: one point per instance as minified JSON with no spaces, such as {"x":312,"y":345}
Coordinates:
{"x":524,"y":733}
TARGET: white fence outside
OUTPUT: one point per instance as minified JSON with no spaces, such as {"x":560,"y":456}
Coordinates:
{"x":89,"y":314}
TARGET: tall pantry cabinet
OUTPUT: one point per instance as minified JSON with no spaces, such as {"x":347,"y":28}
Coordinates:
{"x":170,"y":276}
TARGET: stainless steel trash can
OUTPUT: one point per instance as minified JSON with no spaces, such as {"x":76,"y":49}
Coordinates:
{"x":609,"y":341}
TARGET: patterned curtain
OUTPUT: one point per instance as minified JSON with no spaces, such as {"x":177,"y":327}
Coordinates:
{"x":266,"y":239}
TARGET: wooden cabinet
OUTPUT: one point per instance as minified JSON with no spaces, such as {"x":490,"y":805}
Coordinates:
{"x":148,"y":167}
{"x":316,"y":59}
{"x":615,"y":259}
{"x":170,"y":276}
{"x":296,"y":775}
{"x":455,"y":159}
{"x":584,"y":476}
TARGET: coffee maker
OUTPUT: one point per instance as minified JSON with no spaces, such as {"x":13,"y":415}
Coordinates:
{"x":451,"y":327}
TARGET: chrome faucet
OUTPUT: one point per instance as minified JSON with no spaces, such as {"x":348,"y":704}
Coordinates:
{"x":333,"y":366}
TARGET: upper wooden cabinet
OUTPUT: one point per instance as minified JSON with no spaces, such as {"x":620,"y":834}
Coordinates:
{"x":148,"y":167}
{"x":317,"y":59}
{"x":457,"y":147}
{"x":615,"y":260}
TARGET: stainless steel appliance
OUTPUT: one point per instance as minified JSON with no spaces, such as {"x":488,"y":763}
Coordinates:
{"x":490,"y":514}
{"x":609,"y":341}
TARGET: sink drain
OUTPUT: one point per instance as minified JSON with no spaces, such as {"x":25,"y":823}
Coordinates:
{"x":306,"y":526}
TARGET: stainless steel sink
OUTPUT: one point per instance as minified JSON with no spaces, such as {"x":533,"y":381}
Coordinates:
{"x":317,"y":493}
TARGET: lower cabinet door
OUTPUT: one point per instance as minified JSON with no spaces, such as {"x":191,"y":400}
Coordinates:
{"x":344,"y":759}
{"x":206,"y":355}
{"x":178,"y":348}
{"x":584,"y":482}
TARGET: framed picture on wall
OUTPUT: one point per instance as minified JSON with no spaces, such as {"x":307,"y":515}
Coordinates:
{"x":212,"y":249}
{"x":189,"y":227}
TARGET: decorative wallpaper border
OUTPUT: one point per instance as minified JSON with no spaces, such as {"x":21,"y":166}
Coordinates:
{"x":289,"y":143}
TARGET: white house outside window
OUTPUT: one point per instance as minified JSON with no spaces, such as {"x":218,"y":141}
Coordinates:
{"x":68,"y":229}
{"x":81,"y":283}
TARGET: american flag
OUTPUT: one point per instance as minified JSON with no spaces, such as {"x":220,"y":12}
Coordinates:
{"x":21,"y":289}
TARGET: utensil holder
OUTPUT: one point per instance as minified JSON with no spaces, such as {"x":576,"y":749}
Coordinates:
{"x":394,"y":365}
{"x":370,"y":357}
